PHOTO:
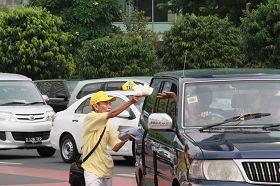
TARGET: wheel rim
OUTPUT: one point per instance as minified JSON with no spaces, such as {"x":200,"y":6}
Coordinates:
{"x":67,"y":149}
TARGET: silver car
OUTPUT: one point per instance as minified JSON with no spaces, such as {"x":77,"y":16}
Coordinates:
{"x":25,"y":118}
{"x":86,"y":87}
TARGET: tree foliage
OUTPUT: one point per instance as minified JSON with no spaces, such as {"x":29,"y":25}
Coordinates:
{"x":233,"y":9}
{"x":32,"y":43}
{"x":86,"y":19}
{"x":261,"y":33}
{"x":119,"y":55}
{"x":202,"y":42}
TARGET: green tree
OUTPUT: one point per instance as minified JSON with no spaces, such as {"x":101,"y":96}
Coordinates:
{"x":3,"y":8}
{"x":119,"y":55}
{"x":202,"y":42}
{"x":86,"y":19}
{"x":261,"y":35}
{"x":233,"y":9}
{"x":32,"y":43}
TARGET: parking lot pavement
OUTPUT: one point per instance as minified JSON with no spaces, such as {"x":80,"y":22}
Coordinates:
{"x":12,"y":175}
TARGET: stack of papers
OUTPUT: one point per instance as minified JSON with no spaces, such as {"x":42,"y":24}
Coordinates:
{"x":134,"y":132}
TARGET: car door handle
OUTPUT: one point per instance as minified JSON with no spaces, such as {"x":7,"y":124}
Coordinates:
{"x":75,"y":120}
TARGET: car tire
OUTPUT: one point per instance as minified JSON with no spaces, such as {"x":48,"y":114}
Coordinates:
{"x":46,"y":151}
{"x":68,"y":149}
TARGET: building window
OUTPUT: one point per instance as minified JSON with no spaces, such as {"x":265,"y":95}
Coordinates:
{"x":151,"y":10}
{"x":14,"y":3}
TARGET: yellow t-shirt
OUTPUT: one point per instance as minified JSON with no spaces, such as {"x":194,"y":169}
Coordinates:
{"x":100,"y":162}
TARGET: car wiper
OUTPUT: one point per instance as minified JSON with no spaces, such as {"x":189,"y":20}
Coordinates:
{"x":237,"y":118}
{"x":271,"y":126}
{"x":13,"y":103}
{"x":34,"y":103}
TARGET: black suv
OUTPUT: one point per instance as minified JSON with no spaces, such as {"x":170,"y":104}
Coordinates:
{"x":221,"y":128}
{"x":58,"y":91}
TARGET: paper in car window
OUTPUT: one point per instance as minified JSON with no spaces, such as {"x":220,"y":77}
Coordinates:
{"x":192,"y":99}
{"x":128,"y":85}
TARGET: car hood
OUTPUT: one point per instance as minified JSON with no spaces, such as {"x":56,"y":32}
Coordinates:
{"x":29,"y":109}
{"x":235,"y":145}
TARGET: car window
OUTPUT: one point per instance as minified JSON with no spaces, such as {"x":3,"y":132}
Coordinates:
{"x":88,"y":89}
{"x":71,"y":85}
{"x":19,"y":92}
{"x":222,"y":100}
{"x":139,"y":104}
{"x":84,"y":107}
{"x":118,"y":102}
{"x":45,"y":88}
{"x":114,"y":85}
{"x":58,"y":88}
{"x":167,"y":105}
{"x":150,"y":100}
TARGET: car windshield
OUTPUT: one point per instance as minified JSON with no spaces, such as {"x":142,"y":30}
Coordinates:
{"x":213,"y":102}
{"x":19,"y":93}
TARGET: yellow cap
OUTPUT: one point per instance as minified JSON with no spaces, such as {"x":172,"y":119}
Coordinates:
{"x":99,"y":97}
{"x":128,"y":85}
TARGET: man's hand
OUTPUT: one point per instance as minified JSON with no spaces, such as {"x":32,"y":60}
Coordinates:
{"x":164,"y":95}
{"x":135,"y":98}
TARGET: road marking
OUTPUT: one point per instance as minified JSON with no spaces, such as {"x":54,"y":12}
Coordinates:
{"x":10,"y":163}
{"x":126,"y":175}
{"x":59,"y":177}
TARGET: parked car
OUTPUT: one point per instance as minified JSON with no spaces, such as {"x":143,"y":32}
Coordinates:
{"x":222,"y":130}
{"x":25,"y":118}
{"x":58,"y":91}
{"x":86,"y":87}
{"x":66,"y":133}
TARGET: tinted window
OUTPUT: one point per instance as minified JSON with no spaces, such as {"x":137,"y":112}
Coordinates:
{"x":114,"y":85}
{"x":150,"y":100}
{"x":45,"y":88}
{"x":58,"y":87}
{"x":88,"y":89}
{"x":167,"y":105}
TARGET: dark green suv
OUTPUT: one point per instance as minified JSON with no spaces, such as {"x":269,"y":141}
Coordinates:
{"x":223,"y":128}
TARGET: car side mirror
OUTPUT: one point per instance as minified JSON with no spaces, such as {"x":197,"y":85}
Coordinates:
{"x":61,"y":95}
{"x":45,"y":98}
{"x":159,"y":121}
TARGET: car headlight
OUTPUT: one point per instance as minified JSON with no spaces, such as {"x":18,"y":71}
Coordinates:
{"x":7,"y":116}
{"x":222,"y":170}
{"x":50,"y":115}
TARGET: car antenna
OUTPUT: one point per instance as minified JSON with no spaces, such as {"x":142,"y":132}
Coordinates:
{"x":185,"y":60}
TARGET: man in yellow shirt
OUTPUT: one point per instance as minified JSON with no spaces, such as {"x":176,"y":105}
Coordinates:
{"x":99,"y":166}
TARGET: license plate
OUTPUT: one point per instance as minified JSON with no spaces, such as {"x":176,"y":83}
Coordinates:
{"x":33,"y":140}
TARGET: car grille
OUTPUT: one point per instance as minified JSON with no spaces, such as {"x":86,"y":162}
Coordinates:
{"x":21,"y":136}
{"x":261,"y":172}
{"x":30,"y":117}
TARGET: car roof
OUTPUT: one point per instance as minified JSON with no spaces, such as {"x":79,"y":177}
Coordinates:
{"x":11,"y":76}
{"x":143,"y":79}
{"x":221,"y":73}
{"x":117,"y":92}
{"x":46,"y":80}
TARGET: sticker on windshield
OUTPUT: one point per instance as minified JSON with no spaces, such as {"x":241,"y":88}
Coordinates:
{"x":192,"y":99}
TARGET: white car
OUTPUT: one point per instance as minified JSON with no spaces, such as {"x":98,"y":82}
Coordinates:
{"x":67,"y":130}
{"x":25,"y":117}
